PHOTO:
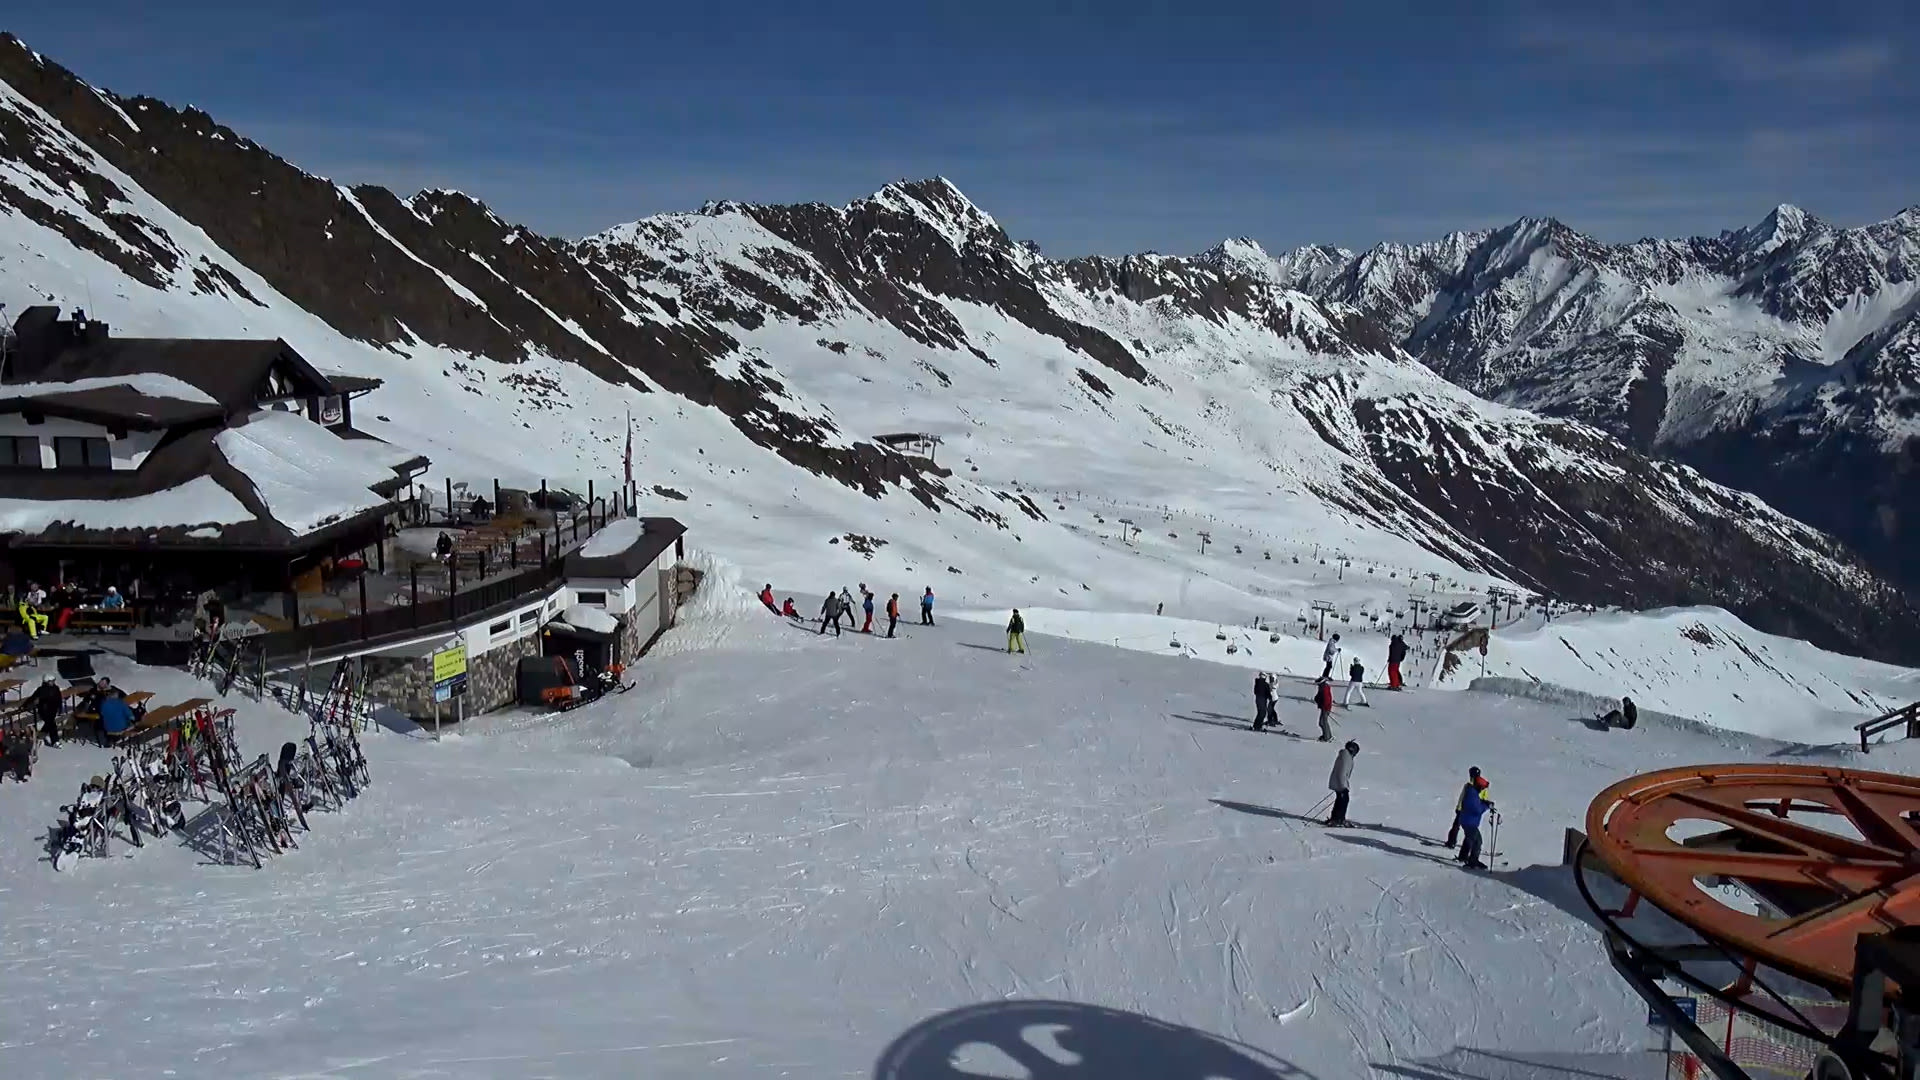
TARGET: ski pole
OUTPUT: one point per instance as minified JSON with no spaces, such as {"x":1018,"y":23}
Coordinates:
{"x":1316,"y":806}
{"x":1495,"y":852}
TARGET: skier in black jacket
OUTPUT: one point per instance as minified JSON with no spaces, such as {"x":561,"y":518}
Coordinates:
{"x":1262,"y":700}
{"x":1396,"y":655}
{"x":46,"y":706}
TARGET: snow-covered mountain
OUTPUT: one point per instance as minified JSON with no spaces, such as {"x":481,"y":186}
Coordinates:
{"x":759,"y":349}
{"x":1776,"y":358}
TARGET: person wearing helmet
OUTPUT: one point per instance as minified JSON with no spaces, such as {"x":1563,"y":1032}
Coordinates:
{"x":1340,"y":781}
{"x":1474,"y":780}
{"x":1473,"y":806}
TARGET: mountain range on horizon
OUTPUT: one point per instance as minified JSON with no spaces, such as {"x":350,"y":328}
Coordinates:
{"x":1525,"y":403}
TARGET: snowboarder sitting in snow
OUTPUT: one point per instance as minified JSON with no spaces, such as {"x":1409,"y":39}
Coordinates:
{"x":1331,"y":656}
{"x":1396,"y":655}
{"x":830,"y":613}
{"x":1262,"y":700}
{"x":766,"y":597}
{"x":1339,"y":781}
{"x":1473,"y":807}
{"x":1354,"y":675}
{"x":1017,"y":633}
{"x":789,"y":610}
{"x":1624,"y":717}
{"x":1323,"y":700}
{"x":1474,"y":780}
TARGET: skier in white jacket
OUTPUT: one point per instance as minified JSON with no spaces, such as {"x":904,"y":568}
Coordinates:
{"x":1331,"y":656}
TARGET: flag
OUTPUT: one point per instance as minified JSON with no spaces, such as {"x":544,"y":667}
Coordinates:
{"x":627,"y":461}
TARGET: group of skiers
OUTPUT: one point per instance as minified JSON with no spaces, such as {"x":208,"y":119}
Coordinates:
{"x":838,"y":604}
{"x":1469,"y":810}
{"x":1264,"y":712}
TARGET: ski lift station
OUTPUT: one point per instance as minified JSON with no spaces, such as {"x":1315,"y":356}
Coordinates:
{"x":917,"y":443}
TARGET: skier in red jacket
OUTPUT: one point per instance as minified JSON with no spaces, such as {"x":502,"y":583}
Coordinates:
{"x":1323,"y":700}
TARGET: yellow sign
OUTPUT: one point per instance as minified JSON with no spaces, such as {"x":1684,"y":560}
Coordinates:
{"x":449,"y":663}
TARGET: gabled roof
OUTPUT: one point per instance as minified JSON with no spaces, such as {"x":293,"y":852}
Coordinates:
{"x":274,"y":481}
{"x":228,"y":371}
{"x":143,"y":402}
{"x":624,"y":549}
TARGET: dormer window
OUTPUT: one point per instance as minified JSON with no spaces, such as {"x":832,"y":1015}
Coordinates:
{"x":277,"y":385}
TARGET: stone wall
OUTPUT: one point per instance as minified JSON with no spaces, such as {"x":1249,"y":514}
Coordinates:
{"x":406,"y":683}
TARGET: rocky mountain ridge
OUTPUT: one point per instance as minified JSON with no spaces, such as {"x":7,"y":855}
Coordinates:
{"x":794,"y":323}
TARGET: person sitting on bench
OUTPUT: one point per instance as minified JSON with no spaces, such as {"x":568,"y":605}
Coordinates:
{"x":31,"y":618}
{"x":116,"y":716}
{"x":113,"y":601}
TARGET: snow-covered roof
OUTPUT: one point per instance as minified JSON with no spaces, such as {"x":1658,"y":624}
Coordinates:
{"x":617,"y":537}
{"x":583,"y":617}
{"x":307,"y":476}
{"x":147,"y":383}
{"x":198,"y":502}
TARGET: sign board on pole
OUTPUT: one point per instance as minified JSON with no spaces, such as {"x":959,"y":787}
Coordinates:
{"x":450,"y":672}
{"x":1688,"y":1006}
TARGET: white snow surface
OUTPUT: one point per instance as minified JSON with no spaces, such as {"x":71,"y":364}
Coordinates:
{"x":1703,"y":664}
{"x":781,"y":851}
{"x":614,"y":539}
{"x":308,"y":476}
{"x":150,"y":384}
{"x":582,"y":617}
{"x":199,"y":502}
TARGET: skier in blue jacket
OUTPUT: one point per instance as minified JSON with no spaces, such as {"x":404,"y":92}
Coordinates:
{"x":115,"y":715}
{"x":926,"y":607}
{"x":1474,"y":805}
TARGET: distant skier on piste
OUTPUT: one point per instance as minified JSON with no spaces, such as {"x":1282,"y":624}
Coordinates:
{"x":926,"y":607}
{"x":866,"y":605}
{"x":1323,"y":700}
{"x":1017,"y":633}
{"x":1396,"y":655}
{"x":1262,"y":700}
{"x":1331,"y":656}
{"x":1340,"y":780}
{"x":846,"y":605}
{"x":893,"y":613}
{"x":830,"y":613}
{"x":1474,"y":780}
{"x":1355,"y":686}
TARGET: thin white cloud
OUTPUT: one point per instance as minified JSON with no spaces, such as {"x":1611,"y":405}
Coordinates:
{"x":1729,"y":55}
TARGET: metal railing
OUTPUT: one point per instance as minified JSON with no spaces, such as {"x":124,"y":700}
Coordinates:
{"x":1908,"y":717}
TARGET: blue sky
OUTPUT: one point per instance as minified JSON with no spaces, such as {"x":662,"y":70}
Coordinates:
{"x":1086,"y":127}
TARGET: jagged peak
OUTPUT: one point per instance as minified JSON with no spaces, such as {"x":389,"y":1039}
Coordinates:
{"x":936,"y":194}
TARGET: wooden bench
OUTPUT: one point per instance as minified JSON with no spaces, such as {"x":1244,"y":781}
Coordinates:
{"x":9,"y":686}
{"x":100,"y":622}
{"x":162,"y":716}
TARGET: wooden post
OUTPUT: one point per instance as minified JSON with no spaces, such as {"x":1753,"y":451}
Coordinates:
{"x":589,"y":491}
{"x":483,"y":564}
{"x":513,"y":553}
{"x":413,"y":591}
{"x":576,"y":527}
{"x":496,"y":495}
{"x":363,"y":601}
{"x":380,"y":548}
{"x":453,"y":583}
{"x":449,"y":500}
{"x":543,"y":551}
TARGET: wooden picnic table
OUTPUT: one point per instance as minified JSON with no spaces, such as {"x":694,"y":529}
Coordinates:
{"x":9,"y":686}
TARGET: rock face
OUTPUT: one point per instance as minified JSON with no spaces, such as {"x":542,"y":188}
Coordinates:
{"x":1775,"y":358}
{"x":1292,"y":369}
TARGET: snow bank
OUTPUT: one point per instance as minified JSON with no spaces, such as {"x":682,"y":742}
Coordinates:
{"x":617,"y":537}
{"x":717,"y":608}
{"x":198,"y":502}
{"x":1705,"y":664}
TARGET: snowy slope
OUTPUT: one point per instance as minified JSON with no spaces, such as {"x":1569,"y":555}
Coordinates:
{"x":781,"y":852}
{"x":760,"y":348}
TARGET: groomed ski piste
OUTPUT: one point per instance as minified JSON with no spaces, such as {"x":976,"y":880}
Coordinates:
{"x":788,"y":854}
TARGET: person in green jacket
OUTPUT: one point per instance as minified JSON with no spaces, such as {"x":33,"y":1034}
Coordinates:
{"x":1016,"y":633}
